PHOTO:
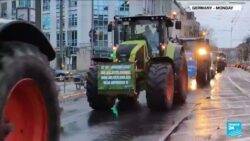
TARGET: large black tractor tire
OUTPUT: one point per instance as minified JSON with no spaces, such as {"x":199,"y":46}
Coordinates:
{"x":202,"y":77}
{"x":160,"y":86}
{"x":28,"y":98}
{"x":96,"y":101}
{"x":181,"y":80}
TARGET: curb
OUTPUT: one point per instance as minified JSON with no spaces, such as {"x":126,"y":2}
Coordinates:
{"x":167,"y":135}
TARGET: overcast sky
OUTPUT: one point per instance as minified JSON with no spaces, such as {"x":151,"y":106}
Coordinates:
{"x":220,"y":22}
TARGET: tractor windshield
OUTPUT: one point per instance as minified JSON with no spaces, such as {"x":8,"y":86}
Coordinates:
{"x":142,"y":29}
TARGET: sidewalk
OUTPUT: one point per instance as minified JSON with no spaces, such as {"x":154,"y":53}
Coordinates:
{"x":68,"y":91}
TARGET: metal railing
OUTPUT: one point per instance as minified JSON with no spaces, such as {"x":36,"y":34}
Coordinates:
{"x":70,"y":87}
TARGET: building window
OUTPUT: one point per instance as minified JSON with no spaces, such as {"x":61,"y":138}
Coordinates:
{"x":124,"y":6}
{"x":46,"y":21}
{"x":72,"y":38}
{"x":13,"y":11}
{"x":46,"y":5}
{"x":73,"y":18}
{"x":58,"y":21}
{"x":57,"y":4}
{"x":4,"y":10}
{"x":72,"y":3}
{"x":58,"y":39}
{"x":24,"y":3}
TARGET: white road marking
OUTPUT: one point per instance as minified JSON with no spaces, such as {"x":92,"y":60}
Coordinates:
{"x":237,"y":86}
{"x":244,"y":78}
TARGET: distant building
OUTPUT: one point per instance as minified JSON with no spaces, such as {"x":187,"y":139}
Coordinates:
{"x":18,"y":9}
{"x":190,"y":27}
{"x":231,"y":54}
{"x":80,"y":15}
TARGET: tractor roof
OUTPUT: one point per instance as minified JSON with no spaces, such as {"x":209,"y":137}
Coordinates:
{"x":22,"y":31}
{"x":192,"y":39}
{"x":146,"y":17}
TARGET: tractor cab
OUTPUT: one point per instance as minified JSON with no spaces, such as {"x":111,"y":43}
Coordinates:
{"x":142,"y":59}
{"x":152,"y":32}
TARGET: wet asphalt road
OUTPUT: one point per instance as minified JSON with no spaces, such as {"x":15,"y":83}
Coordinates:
{"x":203,"y":117}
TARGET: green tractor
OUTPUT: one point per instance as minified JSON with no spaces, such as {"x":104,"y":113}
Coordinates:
{"x":143,"y":59}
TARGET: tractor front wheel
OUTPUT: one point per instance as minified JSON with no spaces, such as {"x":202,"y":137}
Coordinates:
{"x":28,"y":97}
{"x":181,"y":81}
{"x":203,"y":75}
{"x":160,"y":86}
{"x":97,"y":102}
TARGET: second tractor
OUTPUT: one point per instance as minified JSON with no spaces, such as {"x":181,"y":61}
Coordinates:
{"x":143,"y":58}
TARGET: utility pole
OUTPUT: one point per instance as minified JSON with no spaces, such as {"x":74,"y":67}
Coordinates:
{"x":92,"y":25}
{"x":62,"y":57}
{"x":38,"y":4}
{"x":231,"y":36}
{"x":92,"y":31}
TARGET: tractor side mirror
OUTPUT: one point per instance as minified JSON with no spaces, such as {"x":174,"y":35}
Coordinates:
{"x":178,"y":25}
{"x":169,"y":24}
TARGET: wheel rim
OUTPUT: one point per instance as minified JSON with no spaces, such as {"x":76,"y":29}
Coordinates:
{"x":169,"y":89}
{"x":26,"y":100}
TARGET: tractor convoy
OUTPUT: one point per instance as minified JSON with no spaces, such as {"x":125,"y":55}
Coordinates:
{"x":144,"y":58}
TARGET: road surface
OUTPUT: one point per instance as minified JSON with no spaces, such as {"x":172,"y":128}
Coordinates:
{"x":203,"y":117}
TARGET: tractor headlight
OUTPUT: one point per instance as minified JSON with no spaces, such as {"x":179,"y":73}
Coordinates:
{"x":114,"y":48}
{"x":202,"y":51}
{"x":163,"y":47}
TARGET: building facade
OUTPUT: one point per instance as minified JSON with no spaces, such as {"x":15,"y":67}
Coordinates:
{"x":190,"y":27}
{"x":18,"y":9}
{"x":81,"y":18}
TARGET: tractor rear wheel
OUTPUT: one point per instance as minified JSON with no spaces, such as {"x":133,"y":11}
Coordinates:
{"x":203,"y":73}
{"x":28,"y":98}
{"x":160,"y":83}
{"x":181,"y":81}
{"x":97,"y":102}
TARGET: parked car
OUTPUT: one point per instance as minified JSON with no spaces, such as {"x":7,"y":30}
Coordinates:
{"x":62,"y":75}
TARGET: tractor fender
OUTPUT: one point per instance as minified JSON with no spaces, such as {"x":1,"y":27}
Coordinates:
{"x":178,"y":51}
{"x":154,"y":60}
{"x":24,"y":32}
{"x":161,"y":60}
